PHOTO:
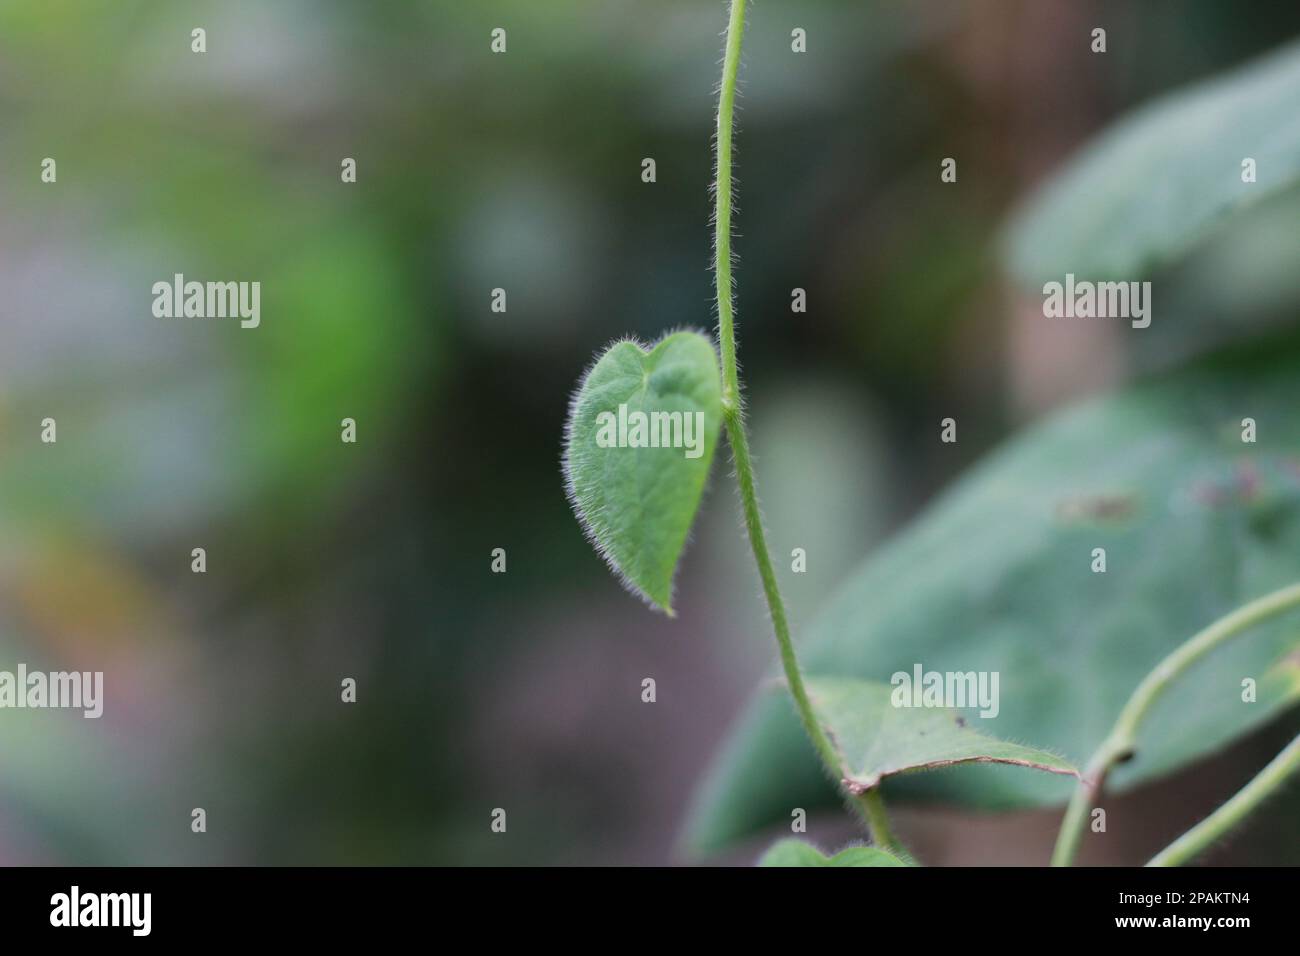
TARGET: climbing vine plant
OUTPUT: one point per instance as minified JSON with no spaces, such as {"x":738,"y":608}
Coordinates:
{"x":644,"y":425}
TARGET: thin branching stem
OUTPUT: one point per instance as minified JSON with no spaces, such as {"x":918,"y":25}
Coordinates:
{"x":1202,"y":836}
{"x":1120,"y":744}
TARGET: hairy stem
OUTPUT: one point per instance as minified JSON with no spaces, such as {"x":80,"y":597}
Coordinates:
{"x":1120,"y":743}
{"x":1218,"y":823}
{"x":722,"y":222}
{"x":870,"y":805}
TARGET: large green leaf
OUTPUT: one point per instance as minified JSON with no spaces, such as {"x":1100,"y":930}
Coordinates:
{"x":997,"y":577}
{"x":1163,"y":177}
{"x":798,"y":853}
{"x":876,"y":739}
{"x":635,"y":482}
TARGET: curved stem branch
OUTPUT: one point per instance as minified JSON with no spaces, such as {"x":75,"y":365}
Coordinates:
{"x":1119,"y":744}
{"x":1218,"y":823}
{"x":870,"y":805}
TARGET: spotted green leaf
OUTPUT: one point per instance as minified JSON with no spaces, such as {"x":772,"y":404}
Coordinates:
{"x":876,"y":739}
{"x":642,"y":430}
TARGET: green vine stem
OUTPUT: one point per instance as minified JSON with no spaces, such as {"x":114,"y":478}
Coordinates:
{"x":1217,"y":824}
{"x":1120,"y":744}
{"x":870,"y":805}
{"x":722,"y":239}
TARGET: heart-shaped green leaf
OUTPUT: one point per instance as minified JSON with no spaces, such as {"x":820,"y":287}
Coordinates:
{"x":793,"y":852}
{"x":1161,"y":178}
{"x":877,"y":739}
{"x":998,"y":576}
{"x":641,"y":434}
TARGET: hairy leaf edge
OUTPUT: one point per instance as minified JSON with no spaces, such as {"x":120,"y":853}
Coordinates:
{"x":570,"y":491}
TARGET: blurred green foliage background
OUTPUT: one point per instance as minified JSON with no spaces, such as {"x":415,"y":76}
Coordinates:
{"x":371,"y":561}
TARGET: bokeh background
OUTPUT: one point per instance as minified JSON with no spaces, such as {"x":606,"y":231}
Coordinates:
{"x":372,"y":561}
